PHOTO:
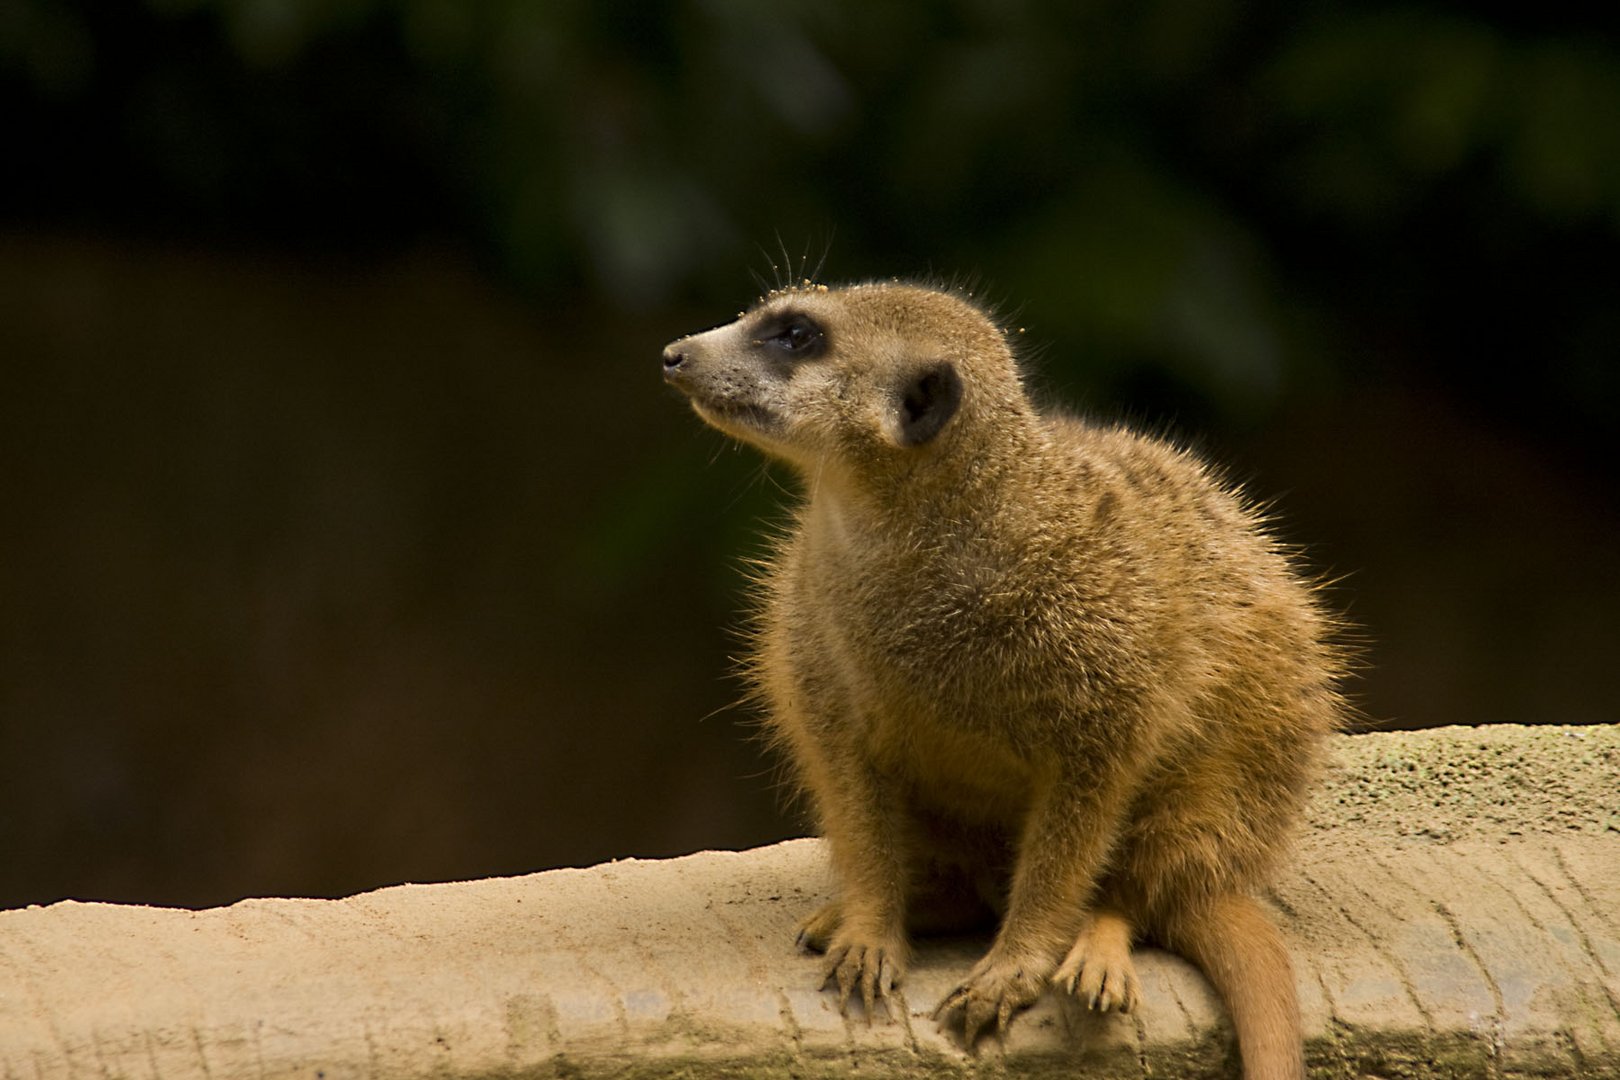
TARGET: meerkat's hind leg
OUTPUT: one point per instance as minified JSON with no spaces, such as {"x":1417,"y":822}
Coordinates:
{"x":1098,"y":969}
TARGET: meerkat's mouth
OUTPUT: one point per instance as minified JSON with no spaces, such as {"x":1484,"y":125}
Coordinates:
{"x":729,"y":415}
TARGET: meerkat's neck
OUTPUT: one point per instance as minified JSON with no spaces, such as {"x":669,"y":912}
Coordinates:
{"x":960,"y":486}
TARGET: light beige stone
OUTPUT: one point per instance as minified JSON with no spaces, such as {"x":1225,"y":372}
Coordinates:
{"x":1454,"y":910}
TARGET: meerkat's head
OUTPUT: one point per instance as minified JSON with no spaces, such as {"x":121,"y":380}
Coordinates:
{"x":854,"y":378}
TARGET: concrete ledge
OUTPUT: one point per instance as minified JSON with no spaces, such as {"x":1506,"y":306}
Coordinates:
{"x":1454,"y":911}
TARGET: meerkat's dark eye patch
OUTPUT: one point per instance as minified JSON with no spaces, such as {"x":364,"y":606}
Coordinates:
{"x":793,"y":333}
{"x":928,"y":400}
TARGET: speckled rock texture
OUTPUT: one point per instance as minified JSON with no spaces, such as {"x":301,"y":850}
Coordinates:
{"x":1454,"y":911}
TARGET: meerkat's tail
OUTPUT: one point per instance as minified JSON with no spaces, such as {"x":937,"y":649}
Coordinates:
{"x":1240,"y":951}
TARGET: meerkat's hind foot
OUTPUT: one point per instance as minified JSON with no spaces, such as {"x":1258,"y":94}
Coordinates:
{"x":816,"y":931}
{"x":1098,"y":969}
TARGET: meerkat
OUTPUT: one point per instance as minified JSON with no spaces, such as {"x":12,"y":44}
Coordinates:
{"x":1021,"y":664}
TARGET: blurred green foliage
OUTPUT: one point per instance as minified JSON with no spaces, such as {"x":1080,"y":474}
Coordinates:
{"x":1206,"y":201}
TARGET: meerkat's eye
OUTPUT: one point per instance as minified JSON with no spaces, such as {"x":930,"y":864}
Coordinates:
{"x":799,"y":335}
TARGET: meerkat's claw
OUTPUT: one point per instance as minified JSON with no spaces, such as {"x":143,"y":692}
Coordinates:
{"x":873,"y":970}
{"x":816,"y":932}
{"x":994,"y":993}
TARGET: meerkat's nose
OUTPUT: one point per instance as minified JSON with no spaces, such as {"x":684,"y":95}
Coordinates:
{"x":674,"y":360}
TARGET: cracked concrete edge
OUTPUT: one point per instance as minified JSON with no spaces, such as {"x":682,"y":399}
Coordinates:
{"x":1453,"y":911}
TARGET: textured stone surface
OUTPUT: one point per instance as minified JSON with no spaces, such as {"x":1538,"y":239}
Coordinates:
{"x":1454,"y":912}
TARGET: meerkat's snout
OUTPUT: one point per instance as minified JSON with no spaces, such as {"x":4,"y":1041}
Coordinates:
{"x":674,"y":360}
{"x":692,"y":367}
{"x":726,"y":383}
{"x":693,"y":362}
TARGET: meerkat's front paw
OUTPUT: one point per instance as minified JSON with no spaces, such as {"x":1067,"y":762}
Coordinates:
{"x":1098,"y":970}
{"x":873,"y":968}
{"x":994,"y":991}
{"x":816,"y":932}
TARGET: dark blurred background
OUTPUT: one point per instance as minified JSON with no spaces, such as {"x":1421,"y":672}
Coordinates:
{"x":348,"y":535}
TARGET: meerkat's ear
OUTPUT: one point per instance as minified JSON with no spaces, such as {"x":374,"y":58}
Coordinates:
{"x":926,"y":400}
